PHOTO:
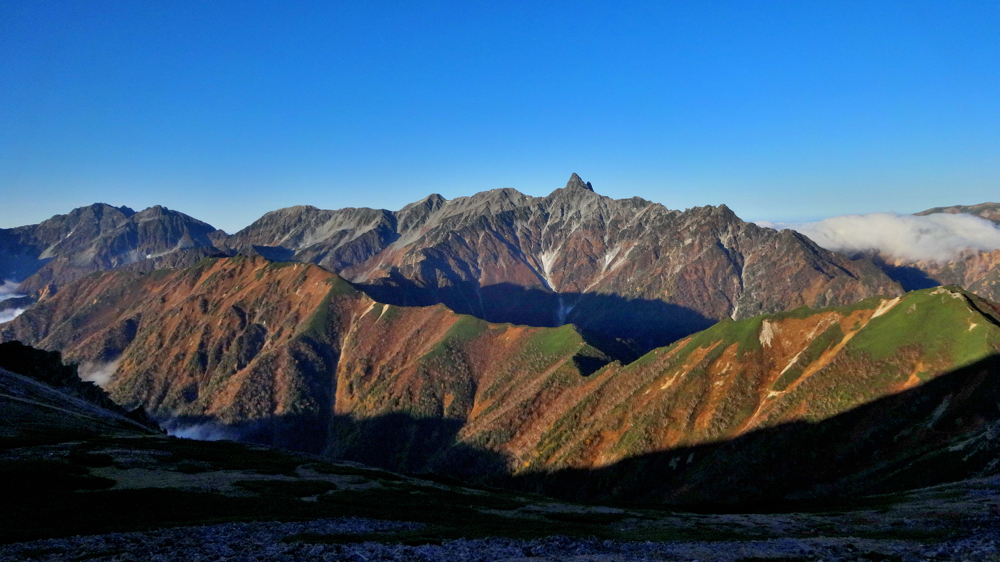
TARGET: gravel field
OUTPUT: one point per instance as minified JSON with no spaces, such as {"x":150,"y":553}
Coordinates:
{"x":264,"y":542}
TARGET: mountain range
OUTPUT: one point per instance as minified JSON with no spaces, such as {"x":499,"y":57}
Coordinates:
{"x":571,"y":344}
{"x":97,"y":238}
{"x":988,"y":211}
{"x":292,"y":355}
{"x":626,"y":269}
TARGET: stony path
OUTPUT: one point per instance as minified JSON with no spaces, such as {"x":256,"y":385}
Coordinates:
{"x":264,"y":542}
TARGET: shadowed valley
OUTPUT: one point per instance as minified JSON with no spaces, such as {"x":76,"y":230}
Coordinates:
{"x":291,"y":355}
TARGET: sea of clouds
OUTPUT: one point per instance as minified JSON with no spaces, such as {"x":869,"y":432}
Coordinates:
{"x":939,"y":237}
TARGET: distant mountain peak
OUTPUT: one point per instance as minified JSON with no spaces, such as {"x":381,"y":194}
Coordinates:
{"x":432,"y":201}
{"x":575,"y":181}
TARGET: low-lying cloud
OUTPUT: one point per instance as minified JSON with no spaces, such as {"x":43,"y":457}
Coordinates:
{"x":8,"y":290}
{"x":939,"y":237}
{"x":98,"y":373}
{"x":203,"y":431}
{"x":10,"y":314}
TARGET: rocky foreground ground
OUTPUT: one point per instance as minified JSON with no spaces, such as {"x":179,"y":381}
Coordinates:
{"x":352,"y":539}
{"x":78,"y":483}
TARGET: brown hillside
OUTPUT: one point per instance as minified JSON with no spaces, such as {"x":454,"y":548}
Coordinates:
{"x":291,"y":354}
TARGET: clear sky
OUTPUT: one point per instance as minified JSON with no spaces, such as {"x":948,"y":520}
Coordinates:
{"x":226,"y":110}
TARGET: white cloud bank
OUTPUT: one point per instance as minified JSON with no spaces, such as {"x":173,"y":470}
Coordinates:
{"x":938,"y":237}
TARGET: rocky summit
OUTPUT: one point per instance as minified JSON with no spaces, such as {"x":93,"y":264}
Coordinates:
{"x":98,"y":238}
{"x":626,"y":268}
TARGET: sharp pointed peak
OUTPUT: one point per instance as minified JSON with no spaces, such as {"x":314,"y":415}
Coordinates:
{"x":575,"y":181}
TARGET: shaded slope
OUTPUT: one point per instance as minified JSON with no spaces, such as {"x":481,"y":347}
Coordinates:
{"x":90,"y":474}
{"x":760,"y":372}
{"x":35,"y":412}
{"x":571,"y":257}
{"x":44,"y":401}
{"x":69,"y":465}
{"x":290,"y":354}
{"x":942,"y":431}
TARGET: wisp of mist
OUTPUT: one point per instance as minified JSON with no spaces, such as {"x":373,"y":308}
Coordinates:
{"x":98,"y":373}
{"x":202,"y":431}
{"x":8,"y":290}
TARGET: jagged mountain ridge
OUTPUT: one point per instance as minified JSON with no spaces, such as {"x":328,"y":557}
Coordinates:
{"x":627,"y":269}
{"x":99,"y":237}
{"x":290,"y":354}
{"x":624,"y":268}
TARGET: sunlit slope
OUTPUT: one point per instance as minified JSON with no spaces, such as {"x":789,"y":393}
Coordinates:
{"x":735,"y":377}
{"x":203,"y":340}
{"x":291,"y":354}
{"x":283,"y":352}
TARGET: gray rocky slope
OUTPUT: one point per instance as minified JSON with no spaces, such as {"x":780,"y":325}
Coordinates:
{"x":625,"y":268}
{"x":96,"y":238}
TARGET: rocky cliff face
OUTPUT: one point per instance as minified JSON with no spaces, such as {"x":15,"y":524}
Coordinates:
{"x":623,"y":268}
{"x":97,"y":238}
{"x":292,"y":355}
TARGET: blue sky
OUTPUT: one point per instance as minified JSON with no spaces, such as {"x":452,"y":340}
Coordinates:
{"x":226,"y":110}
